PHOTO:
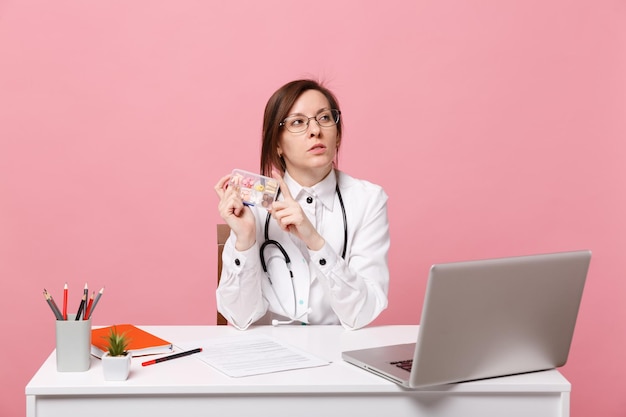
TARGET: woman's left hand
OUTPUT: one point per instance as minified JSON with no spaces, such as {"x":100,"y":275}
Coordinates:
{"x":290,"y":217}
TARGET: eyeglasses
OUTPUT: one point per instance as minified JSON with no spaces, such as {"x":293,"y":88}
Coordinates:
{"x":299,"y":123}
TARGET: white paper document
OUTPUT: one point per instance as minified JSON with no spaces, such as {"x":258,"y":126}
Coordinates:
{"x":246,"y":355}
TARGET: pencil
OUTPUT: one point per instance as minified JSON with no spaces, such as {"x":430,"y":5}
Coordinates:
{"x":88,"y":309}
{"x":170,"y":357}
{"x":95,"y":302}
{"x":65,"y":302}
{"x":82,"y":303}
{"x":52,"y":305}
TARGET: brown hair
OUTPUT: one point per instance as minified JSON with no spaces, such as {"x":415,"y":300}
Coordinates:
{"x":277,"y":109}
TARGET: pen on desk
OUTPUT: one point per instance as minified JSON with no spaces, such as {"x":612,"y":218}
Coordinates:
{"x":83,"y":300}
{"x":65,"y":302}
{"x":170,"y":357}
{"x":88,"y":308}
{"x":95,"y":302}
{"x":52,"y":305}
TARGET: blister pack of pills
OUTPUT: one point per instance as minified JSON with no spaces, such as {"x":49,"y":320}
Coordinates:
{"x":255,"y":189}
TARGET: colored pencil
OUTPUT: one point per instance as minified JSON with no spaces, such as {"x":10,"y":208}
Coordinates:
{"x":95,"y":302}
{"x":88,"y":309}
{"x":52,"y":305}
{"x":82,"y":303}
{"x":65,"y":302}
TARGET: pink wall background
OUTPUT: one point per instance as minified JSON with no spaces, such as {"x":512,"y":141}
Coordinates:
{"x":497,"y":128}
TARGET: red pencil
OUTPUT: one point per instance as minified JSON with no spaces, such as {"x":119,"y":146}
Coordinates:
{"x":65,"y":302}
{"x":95,"y":302}
{"x":88,"y":309}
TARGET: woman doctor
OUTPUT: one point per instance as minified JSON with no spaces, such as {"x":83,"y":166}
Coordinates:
{"x":319,"y":254}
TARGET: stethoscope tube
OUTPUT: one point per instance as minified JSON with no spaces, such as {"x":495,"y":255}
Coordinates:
{"x":345,"y":222}
{"x":282,"y":250}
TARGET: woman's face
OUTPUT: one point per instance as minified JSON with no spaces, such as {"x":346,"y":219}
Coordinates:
{"x":309,"y":155}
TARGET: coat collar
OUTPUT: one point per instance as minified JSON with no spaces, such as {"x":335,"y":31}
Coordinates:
{"x":323,"y":190}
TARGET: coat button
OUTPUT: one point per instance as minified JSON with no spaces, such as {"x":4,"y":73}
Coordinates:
{"x":322,"y":261}
{"x":237,"y":262}
{"x":309,"y":200}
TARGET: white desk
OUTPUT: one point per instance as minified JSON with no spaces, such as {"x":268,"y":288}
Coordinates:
{"x":187,"y":387}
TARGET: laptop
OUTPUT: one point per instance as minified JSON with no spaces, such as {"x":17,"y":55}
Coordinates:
{"x":487,"y":318}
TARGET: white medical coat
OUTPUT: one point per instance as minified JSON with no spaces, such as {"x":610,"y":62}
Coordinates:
{"x":326,"y":289}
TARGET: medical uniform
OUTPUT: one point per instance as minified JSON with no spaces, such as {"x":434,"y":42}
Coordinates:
{"x":326,"y":289}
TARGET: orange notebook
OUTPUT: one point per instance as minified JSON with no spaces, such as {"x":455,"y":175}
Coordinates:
{"x":141,"y":342}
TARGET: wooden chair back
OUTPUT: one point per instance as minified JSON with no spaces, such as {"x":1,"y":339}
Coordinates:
{"x":223,"y":231}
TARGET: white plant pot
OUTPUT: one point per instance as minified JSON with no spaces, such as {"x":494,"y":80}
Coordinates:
{"x":116,"y":368}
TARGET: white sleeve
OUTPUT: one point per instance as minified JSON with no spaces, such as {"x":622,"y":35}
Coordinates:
{"x":359,"y":284}
{"x":239,"y":295}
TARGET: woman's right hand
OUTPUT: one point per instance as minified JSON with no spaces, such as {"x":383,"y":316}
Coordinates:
{"x":238,"y":217}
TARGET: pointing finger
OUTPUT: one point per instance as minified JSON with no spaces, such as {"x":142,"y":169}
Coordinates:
{"x":283,"y":187}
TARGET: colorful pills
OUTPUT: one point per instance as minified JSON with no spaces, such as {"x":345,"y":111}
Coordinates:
{"x":254,"y":189}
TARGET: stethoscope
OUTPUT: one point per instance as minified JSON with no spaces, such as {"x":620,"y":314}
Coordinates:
{"x":282,"y":250}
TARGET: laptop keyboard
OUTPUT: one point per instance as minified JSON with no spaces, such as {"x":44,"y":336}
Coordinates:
{"x":406,"y":364}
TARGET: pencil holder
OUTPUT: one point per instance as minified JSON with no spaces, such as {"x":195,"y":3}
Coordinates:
{"x":73,"y":344}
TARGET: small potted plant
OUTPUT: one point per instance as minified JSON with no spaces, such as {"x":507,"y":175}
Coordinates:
{"x":116,"y":360}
